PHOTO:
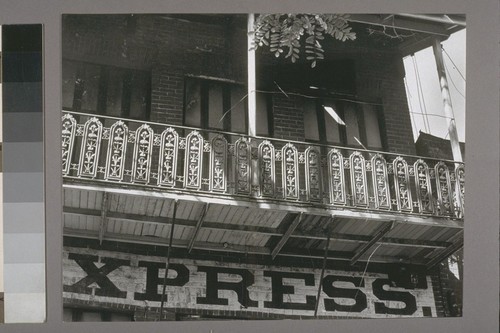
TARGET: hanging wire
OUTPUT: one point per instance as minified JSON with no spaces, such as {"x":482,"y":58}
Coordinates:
{"x":288,"y":94}
{"x":368,"y":262}
{"x":455,"y":66}
{"x":364,"y":273}
{"x":410,"y":107}
{"x":453,"y":82}
{"x":420,"y":97}
{"x":434,"y":115}
{"x":419,"y":80}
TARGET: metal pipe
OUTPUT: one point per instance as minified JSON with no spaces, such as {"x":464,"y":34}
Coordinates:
{"x":446,"y":96}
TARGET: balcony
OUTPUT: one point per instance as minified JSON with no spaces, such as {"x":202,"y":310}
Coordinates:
{"x":178,"y":159}
{"x":127,"y":181}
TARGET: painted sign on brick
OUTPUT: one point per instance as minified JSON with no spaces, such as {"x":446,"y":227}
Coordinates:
{"x":121,"y":278}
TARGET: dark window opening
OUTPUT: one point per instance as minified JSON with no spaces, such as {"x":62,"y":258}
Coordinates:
{"x":223,"y":106}
{"x":106,"y":90}
{"x":327,"y":78}
{"x":347,"y":124}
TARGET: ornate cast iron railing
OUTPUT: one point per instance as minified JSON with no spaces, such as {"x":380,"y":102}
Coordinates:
{"x":164,"y":157}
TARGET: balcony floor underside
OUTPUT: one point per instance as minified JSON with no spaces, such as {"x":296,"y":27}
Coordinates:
{"x":265,"y":228}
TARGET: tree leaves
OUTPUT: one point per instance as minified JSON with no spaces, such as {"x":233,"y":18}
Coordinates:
{"x":284,"y":32}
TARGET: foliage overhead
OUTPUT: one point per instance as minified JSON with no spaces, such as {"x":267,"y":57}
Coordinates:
{"x":286,"y":33}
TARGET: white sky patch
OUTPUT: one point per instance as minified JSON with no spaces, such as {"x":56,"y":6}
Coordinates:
{"x":427,"y":98}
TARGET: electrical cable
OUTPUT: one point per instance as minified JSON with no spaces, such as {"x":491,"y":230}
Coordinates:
{"x":421,"y":96}
{"x":455,"y":66}
{"x":410,"y":107}
{"x":453,"y":82}
{"x":418,"y":94}
{"x":364,"y":273}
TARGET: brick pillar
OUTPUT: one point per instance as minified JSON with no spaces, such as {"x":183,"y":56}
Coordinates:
{"x":167,"y":95}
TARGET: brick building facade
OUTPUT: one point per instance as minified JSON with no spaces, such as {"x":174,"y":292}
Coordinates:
{"x":190,"y":71}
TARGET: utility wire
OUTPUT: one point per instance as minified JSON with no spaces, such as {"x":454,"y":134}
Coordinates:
{"x":410,"y":107}
{"x":288,"y":94}
{"x":422,"y":107}
{"x":364,"y":272}
{"x":453,"y":82}
{"x":455,"y":66}
{"x":422,"y":94}
{"x":434,"y":115}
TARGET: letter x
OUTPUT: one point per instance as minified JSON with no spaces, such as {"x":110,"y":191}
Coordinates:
{"x":97,"y":275}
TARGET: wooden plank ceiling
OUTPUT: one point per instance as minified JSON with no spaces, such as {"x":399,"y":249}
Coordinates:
{"x":91,"y":213}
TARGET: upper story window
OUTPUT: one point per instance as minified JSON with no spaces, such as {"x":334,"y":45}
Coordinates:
{"x":356,"y":122}
{"x":107,"y":90}
{"x":222,"y":105}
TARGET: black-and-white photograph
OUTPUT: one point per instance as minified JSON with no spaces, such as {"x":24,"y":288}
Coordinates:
{"x":262,"y":166}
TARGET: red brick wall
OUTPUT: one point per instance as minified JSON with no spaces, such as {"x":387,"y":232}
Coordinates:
{"x":171,"y":48}
{"x":380,"y":77}
{"x":288,"y":117}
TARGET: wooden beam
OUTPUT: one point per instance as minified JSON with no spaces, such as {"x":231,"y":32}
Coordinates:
{"x":266,"y":231}
{"x":400,"y":23}
{"x":197,"y":227}
{"x":177,"y":243}
{"x":286,"y":235}
{"x":323,"y":210}
{"x":207,"y":246}
{"x":445,"y":19}
{"x":445,"y":253}
{"x":384,"y":230}
{"x":411,"y":46}
{"x":104,"y":219}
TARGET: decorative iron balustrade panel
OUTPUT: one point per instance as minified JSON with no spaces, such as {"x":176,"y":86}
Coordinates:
{"x":402,"y":185}
{"x":460,"y":189}
{"x":167,"y":166}
{"x":337,"y":177}
{"x":218,"y":164}
{"x":117,"y":149}
{"x":164,"y":157}
{"x":143,"y":149}
{"x":91,"y":144}
{"x":290,"y":170}
{"x":194,"y":161}
{"x":68,"y":140}
{"x":267,"y":173}
{"x":243,"y":173}
{"x":424,"y":189}
{"x":380,"y":180}
{"x":444,"y":189}
{"x":313,"y":174}
{"x":358,"y":180}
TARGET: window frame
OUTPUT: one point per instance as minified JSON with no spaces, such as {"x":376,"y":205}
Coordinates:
{"x":226,"y":85}
{"x":362,"y":129}
{"x":102,"y":89}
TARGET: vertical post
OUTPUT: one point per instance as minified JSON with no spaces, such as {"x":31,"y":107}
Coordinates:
{"x":167,"y":263}
{"x":322,"y":275}
{"x":445,"y":93}
{"x":252,"y":101}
